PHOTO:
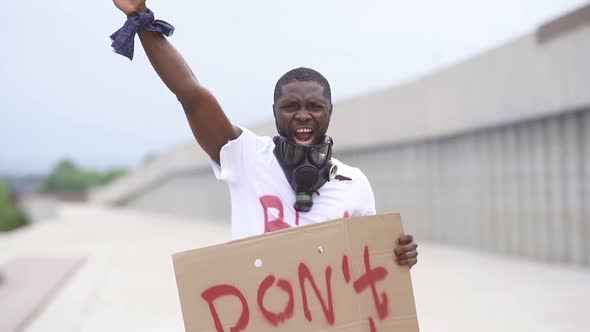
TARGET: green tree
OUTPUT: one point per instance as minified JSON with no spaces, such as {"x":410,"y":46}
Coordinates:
{"x":67,"y":177}
{"x":10,"y":216}
{"x":111,"y":175}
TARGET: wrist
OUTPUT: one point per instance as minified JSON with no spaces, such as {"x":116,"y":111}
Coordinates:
{"x":139,"y":10}
{"x":138,"y":20}
{"x":142,"y":9}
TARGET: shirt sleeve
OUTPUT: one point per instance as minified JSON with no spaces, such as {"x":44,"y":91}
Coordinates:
{"x":367,"y":199}
{"x":235,"y":157}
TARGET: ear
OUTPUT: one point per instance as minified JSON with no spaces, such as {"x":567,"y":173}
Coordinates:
{"x":274,"y":113}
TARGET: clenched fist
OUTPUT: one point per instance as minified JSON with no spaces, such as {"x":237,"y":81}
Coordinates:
{"x":130,"y":7}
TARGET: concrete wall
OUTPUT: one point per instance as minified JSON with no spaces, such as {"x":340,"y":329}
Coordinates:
{"x":521,"y":189}
{"x":190,"y":194}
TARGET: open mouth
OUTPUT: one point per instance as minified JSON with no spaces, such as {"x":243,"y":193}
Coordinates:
{"x":303,"y":136}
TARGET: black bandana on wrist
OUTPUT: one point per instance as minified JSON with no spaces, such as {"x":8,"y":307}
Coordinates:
{"x":123,"y":40}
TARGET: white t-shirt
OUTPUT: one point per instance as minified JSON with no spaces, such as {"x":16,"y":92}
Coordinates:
{"x":262,"y":199}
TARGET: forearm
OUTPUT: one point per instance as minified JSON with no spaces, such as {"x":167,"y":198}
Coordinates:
{"x":209,"y":124}
{"x":169,"y":64}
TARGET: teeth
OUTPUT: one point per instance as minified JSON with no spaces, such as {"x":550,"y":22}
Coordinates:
{"x":304,"y":130}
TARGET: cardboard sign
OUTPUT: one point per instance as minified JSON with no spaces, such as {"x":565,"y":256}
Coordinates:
{"x":333,"y":276}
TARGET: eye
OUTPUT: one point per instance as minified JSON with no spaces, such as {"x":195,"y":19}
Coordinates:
{"x":316,"y":107}
{"x":290,"y":107}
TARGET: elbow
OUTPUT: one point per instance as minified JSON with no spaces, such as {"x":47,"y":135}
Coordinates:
{"x":182,"y":99}
{"x":189,"y":93}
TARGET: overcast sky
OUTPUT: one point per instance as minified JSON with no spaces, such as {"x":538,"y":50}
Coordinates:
{"x":64,"y":93}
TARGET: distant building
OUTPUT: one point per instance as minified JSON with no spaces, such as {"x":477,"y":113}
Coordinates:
{"x":25,"y":191}
{"x":492,"y":153}
{"x":22,"y":185}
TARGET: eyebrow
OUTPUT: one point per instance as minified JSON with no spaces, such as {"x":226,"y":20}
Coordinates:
{"x":294,"y":97}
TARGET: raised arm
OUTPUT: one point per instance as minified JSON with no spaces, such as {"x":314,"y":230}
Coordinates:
{"x":209,"y":124}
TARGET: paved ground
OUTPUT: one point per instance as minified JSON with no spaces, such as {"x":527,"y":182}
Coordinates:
{"x":127,"y":283}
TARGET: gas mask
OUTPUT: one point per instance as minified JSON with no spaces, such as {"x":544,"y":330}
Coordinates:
{"x":307,"y":168}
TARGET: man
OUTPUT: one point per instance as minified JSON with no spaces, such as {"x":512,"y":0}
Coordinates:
{"x":292,"y":175}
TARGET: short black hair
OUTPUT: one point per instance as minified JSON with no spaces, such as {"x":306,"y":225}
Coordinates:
{"x":302,"y":74}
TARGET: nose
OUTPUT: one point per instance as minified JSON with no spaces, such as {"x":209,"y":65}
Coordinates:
{"x":303,"y":115}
